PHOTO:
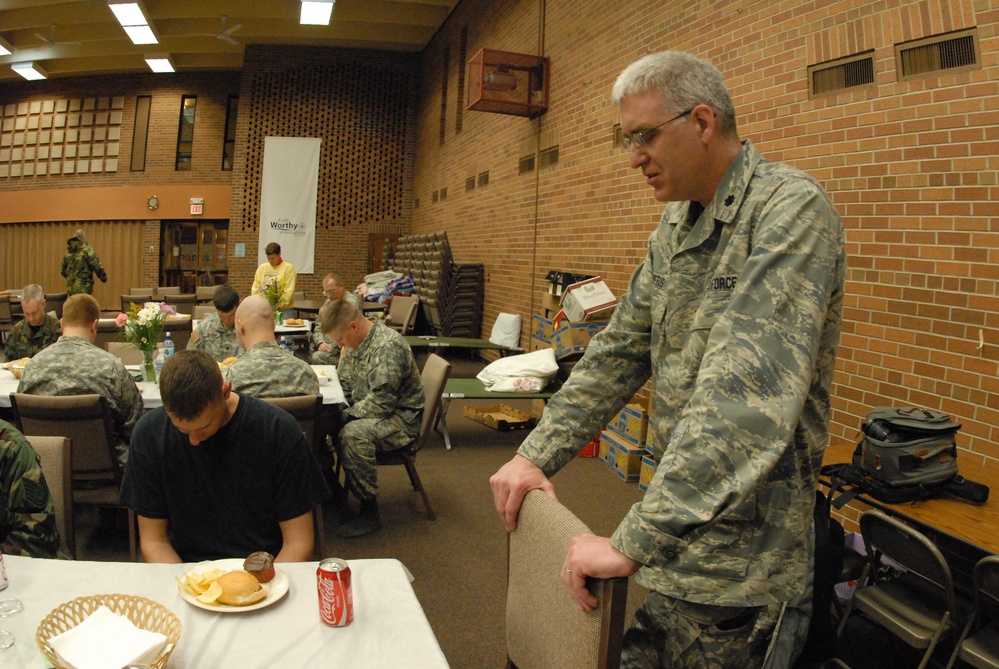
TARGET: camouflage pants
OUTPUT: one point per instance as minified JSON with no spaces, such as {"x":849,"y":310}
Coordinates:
{"x":668,"y":633}
{"x":325,"y":357}
{"x":360,"y":440}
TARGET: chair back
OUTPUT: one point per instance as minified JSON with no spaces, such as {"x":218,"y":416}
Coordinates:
{"x":402,"y":313}
{"x":299,"y":295}
{"x":107,"y":332}
{"x":126,"y":352}
{"x":307,"y":410}
{"x":163,"y":291}
{"x":182,"y":303}
{"x":54,"y":454}
{"x":204,"y":294}
{"x":54,"y":301}
{"x":435,"y":375}
{"x":202,"y":310}
{"x":6,"y":320}
{"x":136,"y":298}
{"x":86,"y":420}
{"x":544,"y":627}
{"x":885,"y":536}
{"x":986,"y":579}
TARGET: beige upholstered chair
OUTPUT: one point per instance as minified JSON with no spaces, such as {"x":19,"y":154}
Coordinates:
{"x":202,"y":310}
{"x":107,"y":332}
{"x":55,"y":456}
{"x":307,"y":410}
{"x":544,"y":627}
{"x":435,"y":374}
{"x":162,"y":292}
{"x":182,"y":303}
{"x":134,"y":298}
{"x":54,"y":301}
{"x":6,"y":320}
{"x":204,"y":294}
{"x":180,"y":331}
{"x":128,"y":353}
{"x":919,"y":606}
{"x":86,"y":420}
{"x":402,"y":313}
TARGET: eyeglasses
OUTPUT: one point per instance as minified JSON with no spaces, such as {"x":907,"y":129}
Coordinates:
{"x":640,"y":139}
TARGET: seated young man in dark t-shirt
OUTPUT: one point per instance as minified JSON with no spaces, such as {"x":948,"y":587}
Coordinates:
{"x":214,"y":474}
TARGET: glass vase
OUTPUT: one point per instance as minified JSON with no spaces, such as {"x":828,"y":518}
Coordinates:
{"x":148,"y":367}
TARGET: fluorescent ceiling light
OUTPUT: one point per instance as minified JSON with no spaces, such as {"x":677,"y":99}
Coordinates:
{"x":5,"y":47}
{"x":30,"y":71}
{"x":159,"y":62}
{"x":141,"y":35}
{"x":128,"y":13}
{"x":316,"y":13}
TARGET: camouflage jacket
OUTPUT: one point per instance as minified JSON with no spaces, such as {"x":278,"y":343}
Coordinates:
{"x":213,"y":336}
{"x":79,"y":266}
{"x":735,"y":314}
{"x":317,"y":331}
{"x":267,"y":370}
{"x":74,"y":366}
{"x":380,"y":378}
{"x":23,"y":343}
{"x":27,"y":519}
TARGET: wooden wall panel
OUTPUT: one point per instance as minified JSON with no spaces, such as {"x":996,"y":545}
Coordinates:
{"x":33,"y":253}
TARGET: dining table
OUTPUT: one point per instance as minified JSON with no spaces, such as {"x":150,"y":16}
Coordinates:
{"x":330,"y":390}
{"x":389,"y":630}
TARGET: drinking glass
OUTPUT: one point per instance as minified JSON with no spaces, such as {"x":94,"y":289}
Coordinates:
{"x":8,"y":607}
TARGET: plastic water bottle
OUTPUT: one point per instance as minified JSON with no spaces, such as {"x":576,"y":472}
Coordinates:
{"x":168,"y":346}
{"x":285,"y":344}
{"x":158,"y":361}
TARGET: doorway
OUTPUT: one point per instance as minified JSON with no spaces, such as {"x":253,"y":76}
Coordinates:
{"x":194,"y":253}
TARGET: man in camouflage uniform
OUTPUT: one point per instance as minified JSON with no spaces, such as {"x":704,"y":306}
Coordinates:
{"x":735,"y":314}
{"x":266,"y":370}
{"x":27,"y":519}
{"x":80,"y":264}
{"x":75,"y":366}
{"x":382,"y":384}
{"x":37,"y":330}
{"x":327,"y":352}
{"x":216,"y":333}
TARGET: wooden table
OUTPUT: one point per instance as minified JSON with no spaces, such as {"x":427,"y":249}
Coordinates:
{"x":973,"y":525}
{"x":466,"y":343}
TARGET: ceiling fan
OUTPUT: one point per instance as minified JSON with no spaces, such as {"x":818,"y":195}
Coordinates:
{"x":225,"y":34}
{"x":53,"y":42}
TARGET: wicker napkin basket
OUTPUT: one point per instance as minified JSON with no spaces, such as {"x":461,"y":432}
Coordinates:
{"x":144,"y":614}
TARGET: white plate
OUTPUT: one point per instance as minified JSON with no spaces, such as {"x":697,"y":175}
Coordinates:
{"x":276,"y":589}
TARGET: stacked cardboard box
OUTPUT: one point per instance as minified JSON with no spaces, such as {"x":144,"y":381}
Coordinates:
{"x":623,"y":444}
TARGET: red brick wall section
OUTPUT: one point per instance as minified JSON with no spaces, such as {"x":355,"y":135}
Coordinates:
{"x":910,"y":165}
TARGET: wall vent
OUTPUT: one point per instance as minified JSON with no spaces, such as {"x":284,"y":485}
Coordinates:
{"x":526,"y":164}
{"x":483,"y":179}
{"x":938,"y":53}
{"x":549,"y":156}
{"x":841,"y":74}
{"x":469,"y":184}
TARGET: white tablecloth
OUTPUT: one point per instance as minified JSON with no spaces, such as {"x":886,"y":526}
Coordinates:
{"x":332,"y":392}
{"x":389,"y":630}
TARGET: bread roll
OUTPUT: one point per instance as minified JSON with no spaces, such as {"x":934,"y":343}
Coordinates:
{"x":228,"y":361}
{"x":240,"y":588}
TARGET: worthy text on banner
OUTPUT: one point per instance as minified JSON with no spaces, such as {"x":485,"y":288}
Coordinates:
{"x":288,"y":192}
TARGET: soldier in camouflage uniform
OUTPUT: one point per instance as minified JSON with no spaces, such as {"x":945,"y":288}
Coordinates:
{"x":216,"y":333}
{"x":383,"y":387}
{"x":37,"y":330}
{"x":327,"y":352}
{"x":27,"y":519}
{"x":80,"y":264}
{"x":266,"y":370}
{"x":735,"y":314}
{"x":74,"y":366}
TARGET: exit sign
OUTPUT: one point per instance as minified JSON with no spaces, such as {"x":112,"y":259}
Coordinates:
{"x":197,"y":206}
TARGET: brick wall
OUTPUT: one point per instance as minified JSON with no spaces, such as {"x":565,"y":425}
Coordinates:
{"x":910,"y":165}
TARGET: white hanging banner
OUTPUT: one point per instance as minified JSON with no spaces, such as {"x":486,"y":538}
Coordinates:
{"x":289,"y":190}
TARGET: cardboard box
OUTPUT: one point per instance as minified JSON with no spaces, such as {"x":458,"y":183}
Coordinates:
{"x":538,"y":408}
{"x":632,"y":423}
{"x":588,"y":300}
{"x":623,"y":459}
{"x":538,"y":344}
{"x":500,"y":417}
{"x":558,"y":281}
{"x":574,"y":337}
{"x":551,"y":304}
{"x":603,"y":450}
{"x":542,"y":328}
{"x":646,"y":473}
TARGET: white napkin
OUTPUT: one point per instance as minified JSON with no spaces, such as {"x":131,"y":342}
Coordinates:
{"x":106,"y":640}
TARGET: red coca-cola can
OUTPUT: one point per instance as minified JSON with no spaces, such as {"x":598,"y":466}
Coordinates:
{"x":336,"y":600}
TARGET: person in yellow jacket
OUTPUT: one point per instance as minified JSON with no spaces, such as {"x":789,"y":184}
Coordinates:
{"x":276,"y":269}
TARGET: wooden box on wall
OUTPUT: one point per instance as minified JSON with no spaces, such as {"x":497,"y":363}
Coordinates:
{"x":508,"y":83}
